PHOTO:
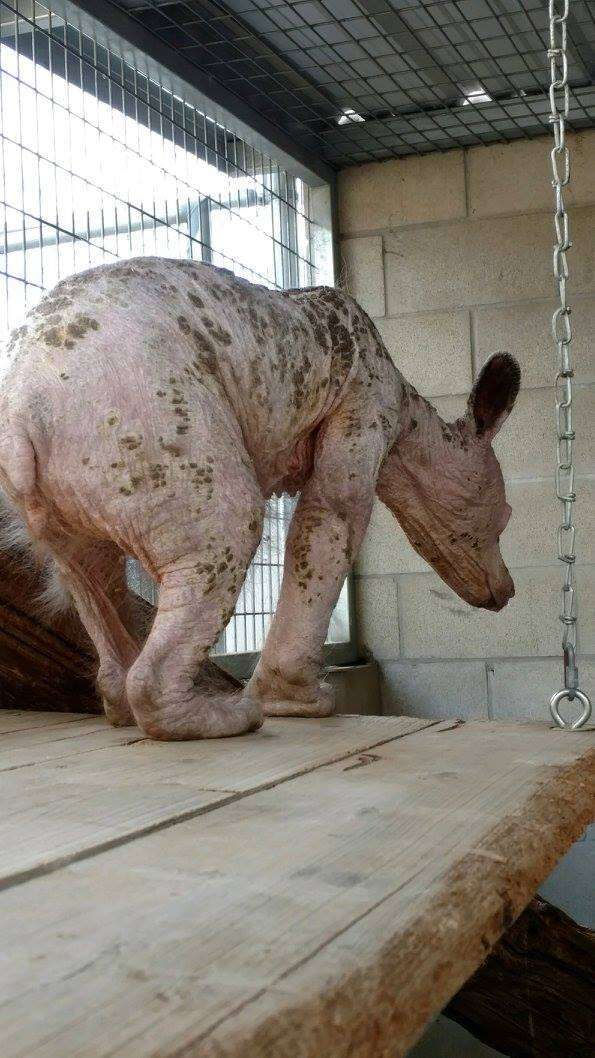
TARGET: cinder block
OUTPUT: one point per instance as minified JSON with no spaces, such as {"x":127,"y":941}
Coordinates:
{"x":521,"y":689}
{"x":434,"y":622}
{"x":481,"y":262}
{"x":516,"y":177}
{"x":525,"y":331}
{"x":405,"y":191}
{"x":530,"y":536}
{"x":377,"y":616}
{"x":525,"y":445}
{"x":386,"y":549}
{"x":432,"y":351}
{"x":362,"y":273}
{"x":434,"y":688}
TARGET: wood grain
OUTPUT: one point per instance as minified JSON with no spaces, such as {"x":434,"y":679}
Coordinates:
{"x":44,"y":663}
{"x":333,"y":913}
{"x":12,"y":720}
{"x":71,"y":794}
{"x":534,"y":997}
{"x":59,"y":741}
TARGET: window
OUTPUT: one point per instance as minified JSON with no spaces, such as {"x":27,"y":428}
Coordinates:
{"x":100,"y":160}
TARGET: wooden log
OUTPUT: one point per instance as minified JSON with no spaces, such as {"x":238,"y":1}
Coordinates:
{"x":534,"y":996}
{"x":49,"y":663}
{"x":45,"y":663}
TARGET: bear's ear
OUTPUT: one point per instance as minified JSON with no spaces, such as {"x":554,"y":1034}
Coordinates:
{"x":493,"y":395}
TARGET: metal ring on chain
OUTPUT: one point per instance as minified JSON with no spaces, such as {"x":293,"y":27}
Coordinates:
{"x":571,"y":695}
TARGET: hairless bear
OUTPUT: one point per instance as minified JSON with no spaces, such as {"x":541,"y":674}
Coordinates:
{"x":151,"y":406}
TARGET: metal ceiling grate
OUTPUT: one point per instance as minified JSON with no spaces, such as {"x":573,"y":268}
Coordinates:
{"x":360,"y":80}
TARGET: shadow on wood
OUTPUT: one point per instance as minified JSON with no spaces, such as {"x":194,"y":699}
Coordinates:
{"x":534,"y":996}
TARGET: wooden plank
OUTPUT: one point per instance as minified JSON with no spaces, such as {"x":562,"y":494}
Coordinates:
{"x":61,"y":741}
{"x":28,"y":720}
{"x":331,"y":915}
{"x":92,"y":796}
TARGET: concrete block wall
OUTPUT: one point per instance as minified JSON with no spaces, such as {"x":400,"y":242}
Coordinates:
{"x":451,"y":254}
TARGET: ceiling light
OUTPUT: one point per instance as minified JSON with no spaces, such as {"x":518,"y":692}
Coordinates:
{"x":478,"y":95}
{"x":348,"y":116}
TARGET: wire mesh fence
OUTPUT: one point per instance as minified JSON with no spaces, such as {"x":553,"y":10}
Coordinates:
{"x":99,"y":161}
{"x":361,"y":80}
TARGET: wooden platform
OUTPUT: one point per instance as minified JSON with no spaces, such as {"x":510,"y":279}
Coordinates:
{"x":317,"y":890}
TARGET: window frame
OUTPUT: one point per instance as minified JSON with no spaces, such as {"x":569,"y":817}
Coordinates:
{"x":106,"y":26}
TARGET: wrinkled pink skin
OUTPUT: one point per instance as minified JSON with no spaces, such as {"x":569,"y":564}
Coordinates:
{"x":152,"y":406}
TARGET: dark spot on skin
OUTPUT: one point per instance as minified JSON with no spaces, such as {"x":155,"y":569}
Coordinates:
{"x":181,"y":429}
{"x":130,"y":442}
{"x":64,"y":375}
{"x":157,"y":474}
{"x":218,"y":333}
{"x":80,"y":325}
{"x":85,"y":460}
{"x":52,"y":305}
{"x":122,"y":272}
{"x":112,"y":420}
{"x":52,"y":336}
{"x":161,"y":393}
{"x":194,"y":298}
{"x":169,"y":446}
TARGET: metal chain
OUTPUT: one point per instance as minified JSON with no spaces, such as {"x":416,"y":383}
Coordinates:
{"x":562,"y":333}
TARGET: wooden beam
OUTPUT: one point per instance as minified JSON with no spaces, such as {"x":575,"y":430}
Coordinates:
{"x":534,"y":996}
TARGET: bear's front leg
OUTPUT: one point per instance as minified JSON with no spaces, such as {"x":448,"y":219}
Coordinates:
{"x":324,"y":537}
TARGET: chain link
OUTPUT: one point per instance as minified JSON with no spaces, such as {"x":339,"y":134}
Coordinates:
{"x":562,"y":334}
